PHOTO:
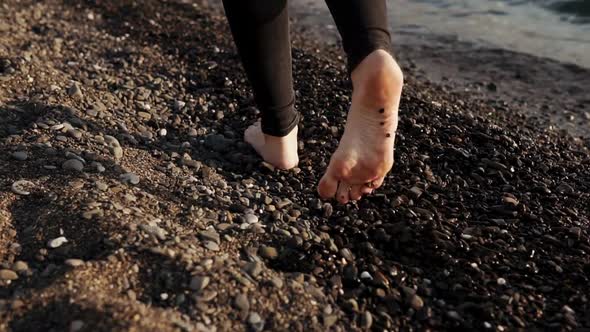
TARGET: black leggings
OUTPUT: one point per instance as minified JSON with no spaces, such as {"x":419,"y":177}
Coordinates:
{"x":261,"y":33}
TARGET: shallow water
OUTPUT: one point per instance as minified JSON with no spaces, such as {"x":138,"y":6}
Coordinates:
{"x":548,"y":28}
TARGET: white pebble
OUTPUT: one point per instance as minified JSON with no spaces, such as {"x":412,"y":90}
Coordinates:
{"x":501,"y":281}
{"x":366,"y":275}
{"x":57,"y":242}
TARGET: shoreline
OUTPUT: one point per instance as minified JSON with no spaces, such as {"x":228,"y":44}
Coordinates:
{"x":483,"y":72}
{"x":129,"y":201}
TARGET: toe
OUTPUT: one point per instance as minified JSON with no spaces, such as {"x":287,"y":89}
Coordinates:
{"x":355,"y":192}
{"x":343,"y":194}
{"x":327,"y":186}
{"x":378,"y":183}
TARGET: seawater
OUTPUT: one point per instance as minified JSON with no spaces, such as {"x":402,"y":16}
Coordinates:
{"x":547,"y":28}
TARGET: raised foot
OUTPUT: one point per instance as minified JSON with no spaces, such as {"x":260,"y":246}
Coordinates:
{"x":365,"y":153}
{"x":280,"y":152}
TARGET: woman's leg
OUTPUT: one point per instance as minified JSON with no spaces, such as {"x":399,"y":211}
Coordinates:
{"x":365,"y":153}
{"x":261,"y":33}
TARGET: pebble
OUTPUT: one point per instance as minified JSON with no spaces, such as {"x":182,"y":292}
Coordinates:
{"x":268,"y":252}
{"x":501,"y":281}
{"x":199,"y":283}
{"x":241,"y":302}
{"x":367,"y":320}
{"x":416,"y":192}
{"x":453,"y":315}
{"x":328,"y":210}
{"x":211,"y":245}
{"x":251,"y":218}
{"x":74,"y":91}
{"x":73,"y":165}
{"x":20,"y":155}
{"x":57,"y":242}
{"x":416,"y":302}
{"x":20,"y":266}
{"x":255,"y":321}
{"x":253,"y":268}
{"x":6,"y":274}
{"x":74,"y":262}
{"x":130,"y":178}
{"x":76,"y":325}
{"x":210,"y":235}
{"x":21,"y":187}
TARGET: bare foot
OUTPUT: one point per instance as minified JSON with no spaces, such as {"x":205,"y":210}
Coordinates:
{"x":281,"y":152}
{"x":365,"y":154}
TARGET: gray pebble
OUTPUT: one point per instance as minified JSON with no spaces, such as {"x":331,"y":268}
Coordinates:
{"x":256,"y":321}
{"x":253,"y":268}
{"x":20,"y":155}
{"x":199,"y":283}
{"x":251,"y":218}
{"x":73,"y":165}
{"x":76,"y":325}
{"x":241,"y":302}
{"x":20,"y":266}
{"x":416,"y":302}
{"x":209,"y":235}
{"x":130,"y":178}
{"x":211,"y":245}
{"x":74,"y":262}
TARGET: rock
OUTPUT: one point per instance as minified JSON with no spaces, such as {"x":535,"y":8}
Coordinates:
{"x":20,"y":155}
{"x":501,"y":281}
{"x":20,"y":266}
{"x":367,"y":320}
{"x":241,"y":302}
{"x":76,"y":325}
{"x":416,"y":302}
{"x":22,"y":187}
{"x":416,"y":192}
{"x":130,"y":178}
{"x":73,"y":165}
{"x":255,"y":321}
{"x":199,"y":283}
{"x":218,"y":143}
{"x":57,"y":242}
{"x":6,"y":274}
{"x":253,"y":268}
{"x":251,"y":218}
{"x":74,"y":91}
{"x":211,"y":245}
{"x":74,"y":262}
{"x":268,"y":252}
{"x":329,"y":320}
{"x":210,"y":235}
{"x":454,"y":315}
{"x":328,"y":210}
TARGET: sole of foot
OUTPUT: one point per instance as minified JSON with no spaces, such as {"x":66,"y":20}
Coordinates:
{"x":281,"y":152}
{"x":365,"y":153}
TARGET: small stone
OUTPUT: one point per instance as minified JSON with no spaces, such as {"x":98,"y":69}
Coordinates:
{"x":510,"y":200}
{"x":101,"y":186}
{"x":211,"y":245}
{"x":328,"y":210}
{"x":268,"y":252}
{"x":22,"y":187}
{"x":329,"y":320}
{"x":416,"y":302}
{"x":416,"y":192}
{"x":253,"y":268}
{"x":74,"y":91}
{"x":178,"y":105}
{"x":20,"y":155}
{"x":74,"y":262}
{"x":73,"y":165}
{"x":76,"y":325}
{"x":20,"y":266}
{"x":501,"y":281}
{"x":130,"y":178}
{"x":210,"y":235}
{"x":277,"y":282}
{"x":241,"y":302}
{"x":251,"y":218}
{"x":8,"y":275}
{"x":367,"y":320}
{"x":57,"y":242}
{"x":255,"y":321}
{"x":453,"y":315}
{"x":199,"y":283}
